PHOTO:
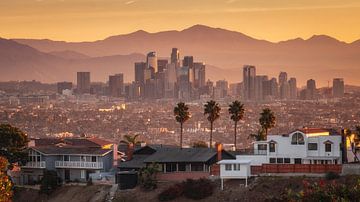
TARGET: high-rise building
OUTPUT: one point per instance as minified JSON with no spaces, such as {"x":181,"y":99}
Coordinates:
{"x":274,"y":88}
{"x":259,"y":88}
{"x":293,"y":88}
{"x":189,"y":62}
{"x":64,"y":86}
{"x":116,"y":85}
{"x":249,"y":73}
{"x":170,"y":81}
{"x":199,"y":74}
{"x":139,"y":72}
{"x":175,"y":57}
{"x":310,"y":89}
{"x":184,"y":83}
{"x":221,"y":89}
{"x":284,"y":88}
{"x":338,"y":87}
{"x":83,"y":82}
{"x":161,"y":63}
{"x":151,"y":62}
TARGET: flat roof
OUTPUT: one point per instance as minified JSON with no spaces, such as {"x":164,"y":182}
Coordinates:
{"x":234,"y":161}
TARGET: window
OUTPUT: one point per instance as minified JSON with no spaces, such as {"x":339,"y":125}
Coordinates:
{"x":286,"y":160}
{"x":181,"y":166}
{"x":228,"y":167}
{"x":197,"y":167}
{"x":312,"y":146}
{"x":297,"y":161}
{"x":170,"y":167}
{"x":272,"y":147}
{"x":82,"y":174}
{"x":272,"y":160}
{"x":93,"y":159}
{"x":262,"y":146}
{"x":279,"y":160}
{"x":327,"y":147}
{"x":297,"y":138}
{"x":66,"y":158}
{"x":236,"y":166}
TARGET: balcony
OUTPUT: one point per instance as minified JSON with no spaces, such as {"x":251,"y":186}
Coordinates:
{"x":78,"y":164}
{"x":30,"y":164}
{"x":251,"y":152}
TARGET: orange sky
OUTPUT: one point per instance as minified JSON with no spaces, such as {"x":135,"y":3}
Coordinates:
{"x":84,"y":20}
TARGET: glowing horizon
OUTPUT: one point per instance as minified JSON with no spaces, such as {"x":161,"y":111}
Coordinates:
{"x":90,"y":20}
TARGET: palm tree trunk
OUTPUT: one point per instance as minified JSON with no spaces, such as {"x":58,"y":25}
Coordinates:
{"x":181,"y":133}
{"x":266,"y":132}
{"x":235,"y":134}
{"x":211,"y":129}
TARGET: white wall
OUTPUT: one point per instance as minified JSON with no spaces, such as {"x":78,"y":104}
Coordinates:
{"x":256,"y":160}
{"x":244,"y":171}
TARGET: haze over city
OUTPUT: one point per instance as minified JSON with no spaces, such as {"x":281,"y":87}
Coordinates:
{"x":160,"y":100}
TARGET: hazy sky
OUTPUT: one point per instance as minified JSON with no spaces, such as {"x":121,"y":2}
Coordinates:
{"x":83,"y":20}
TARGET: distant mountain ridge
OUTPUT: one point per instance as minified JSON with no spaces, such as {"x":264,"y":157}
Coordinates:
{"x":320,"y":57}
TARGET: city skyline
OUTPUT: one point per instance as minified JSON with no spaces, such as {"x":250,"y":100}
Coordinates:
{"x":47,"y":18}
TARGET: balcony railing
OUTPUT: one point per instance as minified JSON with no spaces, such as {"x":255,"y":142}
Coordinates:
{"x":78,"y":164}
{"x":251,"y":152}
{"x":30,"y":164}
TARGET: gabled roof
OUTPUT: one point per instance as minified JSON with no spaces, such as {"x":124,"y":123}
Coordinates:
{"x":313,"y":130}
{"x":54,"y":150}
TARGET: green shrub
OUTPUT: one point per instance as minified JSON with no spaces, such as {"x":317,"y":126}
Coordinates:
{"x":331,"y":176}
{"x":198,"y":189}
{"x":172,"y":192}
{"x":50,"y":182}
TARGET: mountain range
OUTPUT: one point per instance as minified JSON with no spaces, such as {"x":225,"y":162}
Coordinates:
{"x":225,"y":52}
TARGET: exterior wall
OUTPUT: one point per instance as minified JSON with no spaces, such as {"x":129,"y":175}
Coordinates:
{"x":256,"y":160}
{"x":50,"y":162}
{"x":31,"y":175}
{"x":179,"y":176}
{"x":244,"y":171}
{"x":107,"y":161}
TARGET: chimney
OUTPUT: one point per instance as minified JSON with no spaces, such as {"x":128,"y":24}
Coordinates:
{"x":31,"y":143}
{"x":130,"y":151}
{"x":219,"y":148}
{"x":115,"y":155}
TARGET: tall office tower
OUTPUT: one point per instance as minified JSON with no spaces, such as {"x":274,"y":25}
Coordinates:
{"x":151,"y":62}
{"x":184,"y":83}
{"x":292,"y":88}
{"x":170,"y":81}
{"x":338,"y":87}
{"x":221,"y":89}
{"x":282,"y":77}
{"x":234,"y":89}
{"x":310,"y":89}
{"x":64,"y":86}
{"x":160,"y":84}
{"x":284,"y":88}
{"x":150,"y":89}
{"x":175,"y":57}
{"x":249,"y":73}
{"x":259,"y":89}
{"x":209,"y":88}
{"x":161,"y":63}
{"x":274,"y":88}
{"x":116,"y":85}
{"x":139,"y":72}
{"x":189,"y":62}
{"x":199,"y":74}
{"x":83,"y":82}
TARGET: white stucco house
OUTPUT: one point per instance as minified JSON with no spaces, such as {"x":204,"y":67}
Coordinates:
{"x":303,"y":146}
{"x":314,"y":148}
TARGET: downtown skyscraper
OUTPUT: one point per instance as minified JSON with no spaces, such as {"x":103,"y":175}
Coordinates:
{"x":249,"y":74}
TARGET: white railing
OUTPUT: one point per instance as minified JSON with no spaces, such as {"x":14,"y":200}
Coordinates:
{"x":31,"y":164}
{"x":78,"y":164}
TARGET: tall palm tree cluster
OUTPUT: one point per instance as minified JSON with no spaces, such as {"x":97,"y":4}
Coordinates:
{"x":212,"y":112}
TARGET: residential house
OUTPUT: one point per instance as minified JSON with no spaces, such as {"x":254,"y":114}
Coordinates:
{"x":74,"y":159}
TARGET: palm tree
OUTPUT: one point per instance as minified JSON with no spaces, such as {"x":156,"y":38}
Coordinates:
{"x":236,"y":110}
{"x":267,"y":120}
{"x":131,"y":140}
{"x":212,"y":109}
{"x":259,"y":136}
{"x":182,"y":114}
